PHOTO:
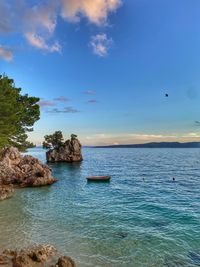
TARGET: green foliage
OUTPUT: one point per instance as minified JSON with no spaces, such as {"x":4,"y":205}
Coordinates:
{"x":18,"y":113}
{"x":54,"y":140}
{"x":73,"y":136}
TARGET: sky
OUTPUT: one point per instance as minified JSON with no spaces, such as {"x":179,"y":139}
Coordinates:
{"x":102,"y":67}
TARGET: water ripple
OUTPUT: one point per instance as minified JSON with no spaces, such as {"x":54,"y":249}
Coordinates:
{"x":140,"y":219}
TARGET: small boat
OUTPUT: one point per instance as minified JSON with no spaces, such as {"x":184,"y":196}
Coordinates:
{"x":98,"y":178}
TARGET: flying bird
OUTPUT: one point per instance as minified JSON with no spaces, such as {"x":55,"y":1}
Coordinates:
{"x":166,"y":95}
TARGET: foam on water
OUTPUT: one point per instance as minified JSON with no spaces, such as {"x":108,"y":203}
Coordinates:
{"x":140,"y":219}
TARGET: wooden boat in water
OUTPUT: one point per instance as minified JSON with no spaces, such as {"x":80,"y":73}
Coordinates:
{"x":98,"y":178}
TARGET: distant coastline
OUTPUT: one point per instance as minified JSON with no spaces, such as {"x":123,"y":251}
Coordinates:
{"x":154,"y":145}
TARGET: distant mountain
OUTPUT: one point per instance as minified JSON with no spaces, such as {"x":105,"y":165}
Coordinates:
{"x":156,"y":145}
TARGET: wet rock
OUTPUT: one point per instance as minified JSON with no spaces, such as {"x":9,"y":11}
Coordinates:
{"x":70,"y":151}
{"x":41,"y":253}
{"x":39,"y":256}
{"x":22,"y":260}
{"x":65,"y":262}
{"x":23,"y":170}
{"x":6,"y":191}
{"x":5,"y":261}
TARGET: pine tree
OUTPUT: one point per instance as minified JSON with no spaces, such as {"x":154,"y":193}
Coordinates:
{"x":18,"y":113}
{"x":54,"y":140}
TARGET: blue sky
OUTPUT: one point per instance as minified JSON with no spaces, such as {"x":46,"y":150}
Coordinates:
{"x":102,"y":67}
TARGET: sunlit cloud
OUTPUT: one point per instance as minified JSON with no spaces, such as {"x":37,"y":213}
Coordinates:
{"x":6,"y":53}
{"x":37,"y":22}
{"x":101,"y":44}
{"x":192,"y":135}
{"x":40,"y":43}
{"x":41,"y":16}
{"x":96,"y":11}
{"x":138,"y":138}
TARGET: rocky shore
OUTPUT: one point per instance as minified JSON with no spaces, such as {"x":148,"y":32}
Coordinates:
{"x":21,"y":171}
{"x":39,"y":256}
{"x":17,"y":170}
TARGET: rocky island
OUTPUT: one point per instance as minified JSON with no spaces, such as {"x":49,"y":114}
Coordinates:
{"x":62,"y":151}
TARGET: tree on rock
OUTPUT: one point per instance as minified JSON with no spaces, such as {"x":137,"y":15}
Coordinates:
{"x":18,"y":113}
{"x":60,"y":150}
{"x":54,"y":140}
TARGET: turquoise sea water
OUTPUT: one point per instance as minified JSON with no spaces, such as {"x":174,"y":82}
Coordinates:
{"x":140,"y":219}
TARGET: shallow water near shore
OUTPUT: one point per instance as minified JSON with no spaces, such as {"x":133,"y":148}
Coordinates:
{"x":140,"y":219}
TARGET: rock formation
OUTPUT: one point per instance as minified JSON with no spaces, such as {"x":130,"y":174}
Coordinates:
{"x":69,"y":151}
{"x":39,"y":256}
{"x":23,"y":171}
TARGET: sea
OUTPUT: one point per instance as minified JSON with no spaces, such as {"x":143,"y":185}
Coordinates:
{"x":141,"y":218}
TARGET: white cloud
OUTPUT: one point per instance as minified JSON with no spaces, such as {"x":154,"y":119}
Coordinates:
{"x":192,"y":135}
{"x":40,"y":42}
{"x":5,"y":25}
{"x":37,"y":22}
{"x":100,"y":44}
{"x":42,"y":16}
{"x":6,"y":53}
{"x":96,"y":11}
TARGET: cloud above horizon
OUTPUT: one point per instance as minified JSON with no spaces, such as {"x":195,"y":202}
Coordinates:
{"x":37,"y":23}
{"x":65,"y":110}
{"x":6,"y":53}
{"x":61,"y":99}
{"x":100,"y":44}
{"x":135,"y":138}
{"x":46,"y":103}
{"x":89,"y":92}
{"x":40,"y":42}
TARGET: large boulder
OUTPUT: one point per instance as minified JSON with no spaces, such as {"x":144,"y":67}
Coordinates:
{"x":23,"y":170}
{"x":70,"y":151}
{"x":36,"y":256}
{"x":39,"y":256}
